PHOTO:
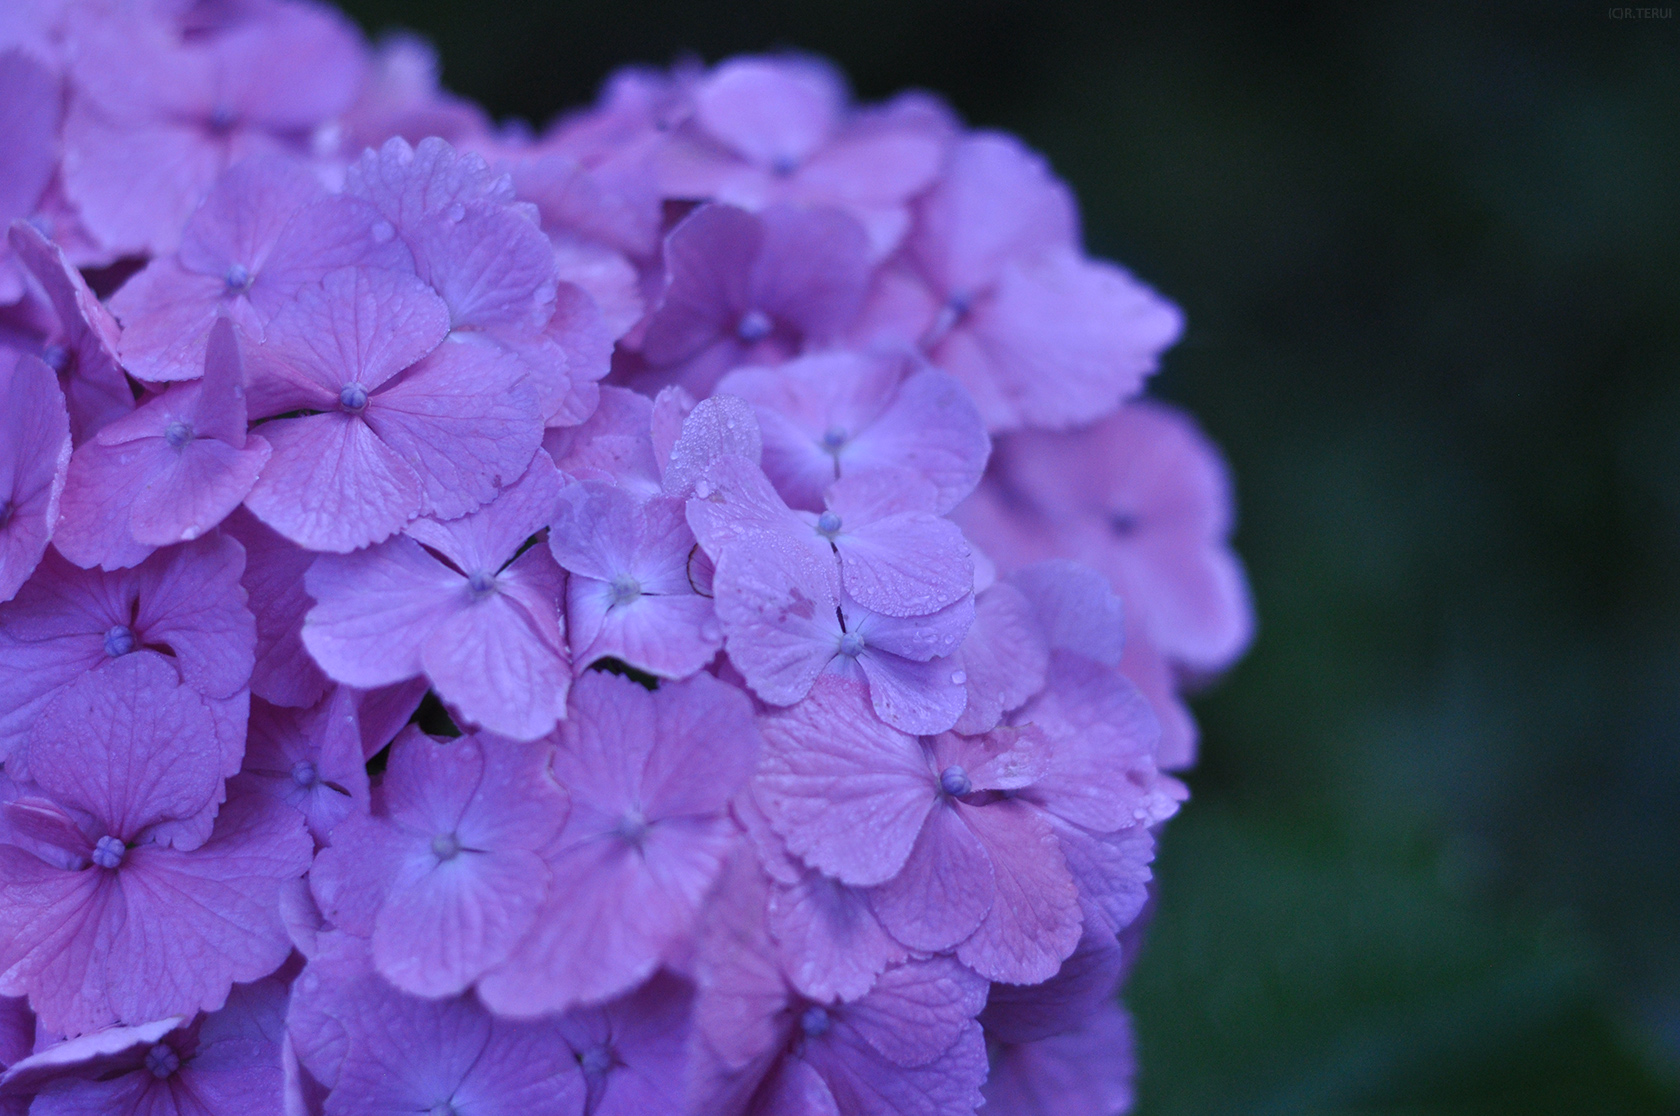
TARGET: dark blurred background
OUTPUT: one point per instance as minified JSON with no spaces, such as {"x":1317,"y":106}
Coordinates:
{"x":1430,"y":255}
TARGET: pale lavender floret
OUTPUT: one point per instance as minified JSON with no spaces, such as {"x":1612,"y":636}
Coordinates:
{"x":168,"y":472}
{"x":630,"y":595}
{"x":409,"y":424}
{"x":786,"y":620}
{"x":164,"y":931}
{"x":650,"y":776}
{"x":843,"y":414}
{"x":186,"y":601}
{"x":81,"y":347}
{"x":165,"y":100}
{"x":1083,"y":1072}
{"x":746,"y":288}
{"x":1040,"y":335}
{"x":224,"y":1061}
{"x":768,"y":130}
{"x":449,"y":874}
{"x":265,"y":230}
{"x":910,"y":1045}
{"x":30,"y":106}
{"x":34,"y":457}
{"x":457,"y":602}
{"x":632,"y":1051}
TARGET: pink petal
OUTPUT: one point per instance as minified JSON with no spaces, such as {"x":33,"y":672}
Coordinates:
{"x":847,"y":793}
{"x":775,"y":600}
{"x":945,"y":889}
{"x":1034,"y":921}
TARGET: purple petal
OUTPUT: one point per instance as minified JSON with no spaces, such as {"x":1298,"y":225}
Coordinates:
{"x":332,"y":484}
{"x":775,"y":600}
{"x":1034,"y":921}
{"x":34,"y":458}
{"x":377,"y":609}
{"x":945,"y":890}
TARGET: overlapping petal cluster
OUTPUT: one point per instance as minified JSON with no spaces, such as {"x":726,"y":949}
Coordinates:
{"x":680,"y":613}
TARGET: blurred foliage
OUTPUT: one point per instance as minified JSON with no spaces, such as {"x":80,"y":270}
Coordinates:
{"x":1428,"y":252}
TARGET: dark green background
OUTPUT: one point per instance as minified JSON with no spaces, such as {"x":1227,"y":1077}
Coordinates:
{"x":1429,"y":255}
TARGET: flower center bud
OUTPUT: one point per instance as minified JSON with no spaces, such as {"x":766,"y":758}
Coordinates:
{"x":446,"y":846}
{"x":353,"y":398}
{"x":755,"y":325}
{"x":7,"y":509}
{"x":632,"y":827}
{"x":481,"y":583}
{"x":828,"y":524}
{"x":222,"y":118}
{"x":56,"y":357}
{"x":162,"y":1061}
{"x":833,"y":438}
{"x":119,"y":641}
{"x":305,"y":774}
{"x":178,"y":434}
{"x":955,"y":782}
{"x":625,"y":589}
{"x":108,"y":851}
{"x":595,"y":1061}
{"x":237,"y":278}
{"x":442,"y":1108}
{"x":851,"y":645}
{"x":815,"y":1021}
{"x":1123,"y":524}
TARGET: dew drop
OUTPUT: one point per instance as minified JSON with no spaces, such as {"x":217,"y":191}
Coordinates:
{"x":959,"y":678}
{"x":382,"y":231}
{"x":457,"y":212}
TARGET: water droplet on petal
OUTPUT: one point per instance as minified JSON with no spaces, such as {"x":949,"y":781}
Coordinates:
{"x":382,"y":231}
{"x":457,"y":211}
{"x":959,"y":678}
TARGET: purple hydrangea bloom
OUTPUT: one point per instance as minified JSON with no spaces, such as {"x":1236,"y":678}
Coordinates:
{"x":449,"y":874}
{"x":843,"y":414}
{"x":650,"y":776}
{"x":82,"y":347}
{"x":34,"y":457}
{"x":908,"y":1046}
{"x":167,"y":473}
{"x":769,"y":130}
{"x":1040,"y":335}
{"x":166,"y":97}
{"x":100,"y":922}
{"x":398,"y":422}
{"x":1083,"y":1072}
{"x":223,"y":1061}
{"x":182,"y":607}
{"x":266,"y":230}
{"x":458,"y":602}
{"x":633,"y":1050}
{"x":746,"y":288}
{"x":630,"y":595}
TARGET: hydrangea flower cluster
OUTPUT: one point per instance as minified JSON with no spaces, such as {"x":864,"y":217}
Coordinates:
{"x":682,"y":613}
